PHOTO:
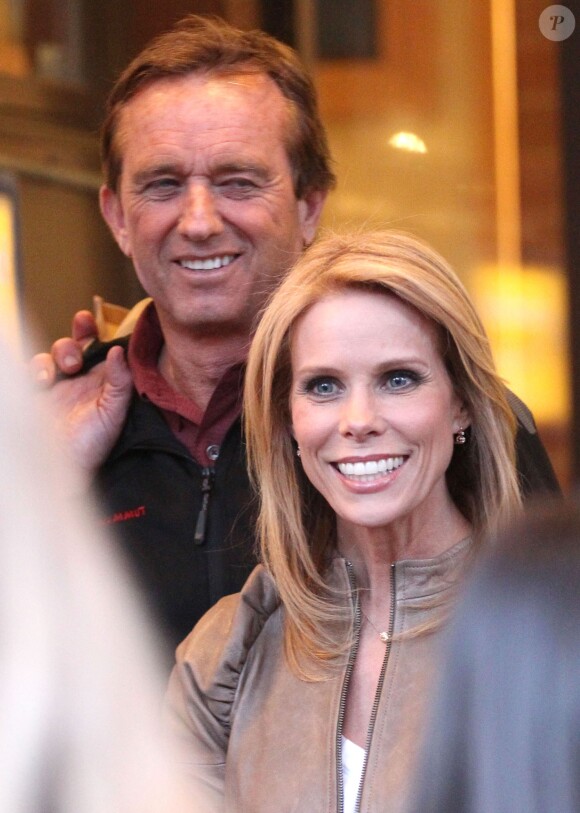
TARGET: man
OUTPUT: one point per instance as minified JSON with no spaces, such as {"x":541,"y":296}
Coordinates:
{"x":217,"y":168}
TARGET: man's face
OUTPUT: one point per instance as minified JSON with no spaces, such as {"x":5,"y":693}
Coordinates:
{"x":205,"y":206}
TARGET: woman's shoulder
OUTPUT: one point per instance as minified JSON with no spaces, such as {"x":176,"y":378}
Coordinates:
{"x":209,"y":662}
{"x":218,"y":645}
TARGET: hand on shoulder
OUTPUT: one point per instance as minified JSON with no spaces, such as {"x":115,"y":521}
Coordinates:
{"x":90,"y":409}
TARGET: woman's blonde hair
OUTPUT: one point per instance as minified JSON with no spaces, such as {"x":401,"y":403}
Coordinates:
{"x":296,"y":526}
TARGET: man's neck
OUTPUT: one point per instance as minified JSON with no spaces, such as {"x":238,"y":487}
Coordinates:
{"x":194,"y":365}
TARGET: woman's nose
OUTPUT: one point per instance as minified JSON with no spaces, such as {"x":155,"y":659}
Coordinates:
{"x":361,"y":416}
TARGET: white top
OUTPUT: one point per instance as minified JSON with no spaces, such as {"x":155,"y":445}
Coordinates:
{"x":353,"y":757}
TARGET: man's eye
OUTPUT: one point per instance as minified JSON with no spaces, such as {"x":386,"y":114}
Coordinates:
{"x":162,"y":187}
{"x":240,"y":182}
{"x":237,"y":185}
{"x":164,"y":183}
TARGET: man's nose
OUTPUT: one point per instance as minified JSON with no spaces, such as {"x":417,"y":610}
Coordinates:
{"x":362,"y":416}
{"x":199,"y":218}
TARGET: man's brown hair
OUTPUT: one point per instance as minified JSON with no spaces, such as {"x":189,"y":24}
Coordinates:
{"x":210,"y":45}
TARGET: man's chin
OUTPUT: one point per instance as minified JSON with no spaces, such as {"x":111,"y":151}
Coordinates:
{"x":215,"y":325}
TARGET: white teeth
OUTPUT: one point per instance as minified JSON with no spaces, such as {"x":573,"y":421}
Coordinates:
{"x":209,"y":264}
{"x":370,"y":467}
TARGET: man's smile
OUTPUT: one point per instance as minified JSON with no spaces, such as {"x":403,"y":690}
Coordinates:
{"x":208,"y":263}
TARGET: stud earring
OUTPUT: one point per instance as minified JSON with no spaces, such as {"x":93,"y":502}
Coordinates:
{"x":298,"y":452}
{"x":459,"y":438}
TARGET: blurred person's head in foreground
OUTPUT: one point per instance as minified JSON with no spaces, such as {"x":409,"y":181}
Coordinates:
{"x":505,"y":729}
{"x":79,"y":685}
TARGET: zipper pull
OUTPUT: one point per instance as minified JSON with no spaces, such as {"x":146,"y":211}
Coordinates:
{"x":206,"y":486}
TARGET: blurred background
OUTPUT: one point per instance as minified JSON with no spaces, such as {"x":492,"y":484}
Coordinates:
{"x":459,"y":122}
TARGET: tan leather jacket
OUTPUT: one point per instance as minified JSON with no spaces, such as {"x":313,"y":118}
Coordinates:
{"x":263,"y":741}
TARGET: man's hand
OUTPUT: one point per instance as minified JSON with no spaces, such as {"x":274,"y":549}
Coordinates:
{"x":90,"y":408}
{"x":66,"y":355}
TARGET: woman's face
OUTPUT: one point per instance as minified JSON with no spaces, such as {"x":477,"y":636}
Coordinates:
{"x":373,"y":408}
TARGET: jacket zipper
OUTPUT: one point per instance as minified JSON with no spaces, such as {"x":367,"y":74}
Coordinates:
{"x":379,"y":691}
{"x":345,"y":684}
{"x":208,"y":475}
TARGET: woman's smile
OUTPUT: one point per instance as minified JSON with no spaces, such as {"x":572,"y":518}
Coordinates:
{"x":373,"y":407}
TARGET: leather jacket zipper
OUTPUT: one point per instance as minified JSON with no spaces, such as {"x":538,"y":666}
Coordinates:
{"x":375,"y":707}
{"x":345,"y":684}
{"x":208,"y":475}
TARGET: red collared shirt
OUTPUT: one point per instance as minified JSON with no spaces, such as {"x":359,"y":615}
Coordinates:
{"x":202,"y":433}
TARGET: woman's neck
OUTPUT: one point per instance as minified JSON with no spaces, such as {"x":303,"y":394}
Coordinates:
{"x":372,"y":551}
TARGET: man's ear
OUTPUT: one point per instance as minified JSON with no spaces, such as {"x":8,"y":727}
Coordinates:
{"x":112,"y":211}
{"x":309,"y":211}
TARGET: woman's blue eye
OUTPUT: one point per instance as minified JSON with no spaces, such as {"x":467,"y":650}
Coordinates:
{"x":401,"y":379}
{"x":322,"y":386}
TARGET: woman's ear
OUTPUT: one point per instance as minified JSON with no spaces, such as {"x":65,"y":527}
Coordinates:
{"x":462,"y":417}
{"x":293,"y":436}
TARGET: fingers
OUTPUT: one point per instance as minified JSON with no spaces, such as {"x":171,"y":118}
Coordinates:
{"x":112,"y":405}
{"x":42,"y":370}
{"x":84,"y":328}
{"x":67,"y":355}
{"x":117,"y":371}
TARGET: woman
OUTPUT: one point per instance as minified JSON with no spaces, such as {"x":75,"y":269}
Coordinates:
{"x":382,"y":447}
{"x":505,"y":729}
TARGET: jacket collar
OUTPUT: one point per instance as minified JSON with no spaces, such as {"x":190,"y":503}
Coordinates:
{"x":418,"y":578}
